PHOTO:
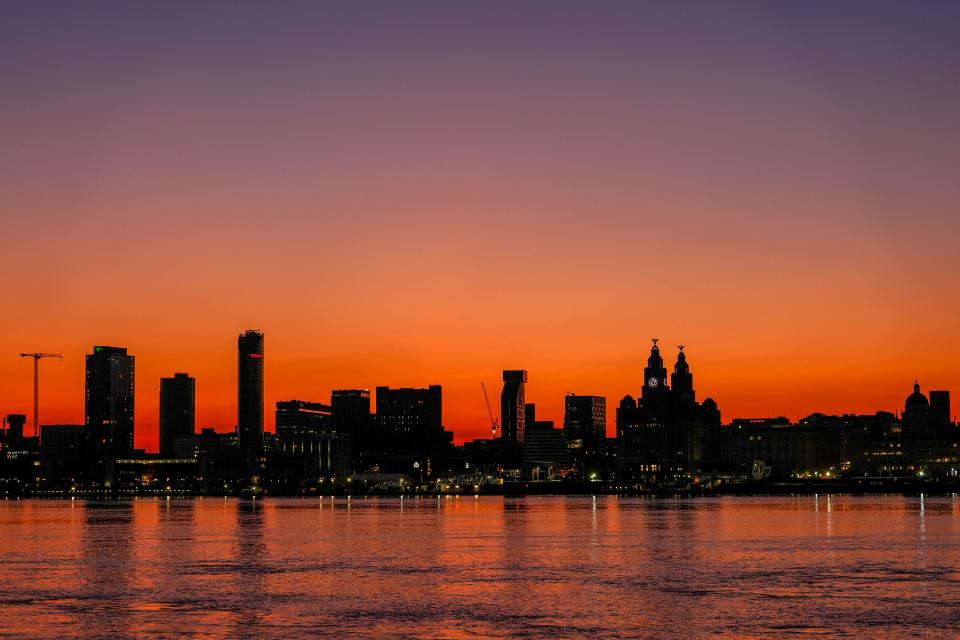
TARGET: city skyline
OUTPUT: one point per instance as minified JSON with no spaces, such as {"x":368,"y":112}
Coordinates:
{"x":147,"y":432}
{"x":490,"y":318}
{"x":444,"y":191}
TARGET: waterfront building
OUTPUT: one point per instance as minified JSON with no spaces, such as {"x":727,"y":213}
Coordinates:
{"x":585,"y":429}
{"x":666,"y":436}
{"x":250,"y":391}
{"x":350,"y":414}
{"x":410,"y":420}
{"x":297,"y":418}
{"x":177,"y":411}
{"x":513,"y":416}
{"x":13,"y":430}
{"x":109,"y":399}
{"x":931,"y":442}
{"x":545,"y":450}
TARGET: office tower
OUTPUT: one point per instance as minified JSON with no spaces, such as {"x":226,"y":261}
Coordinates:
{"x":299,"y":418}
{"x":585,"y":427}
{"x":250,"y":391}
{"x":109,"y":400}
{"x":177,"y":411}
{"x":350,"y":414}
{"x":513,"y":415}
{"x":410,"y":420}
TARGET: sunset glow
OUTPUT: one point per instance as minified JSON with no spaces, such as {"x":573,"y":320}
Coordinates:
{"x":431,"y":194}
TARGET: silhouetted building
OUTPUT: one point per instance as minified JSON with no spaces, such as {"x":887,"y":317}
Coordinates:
{"x":926,"y":420}
{"x":109,"y":405}
{"x":483,"y":454}
{"x":64,"y":457}
{"x":66,"y":441}
{"x":930,"y":438}
{"x":818,"y":446}
{"x":852,"y":445}
{"x":223,"y":467}
{"x":306,"y":434}
{"x":177,"y":411}
{"x":297,"y":418}
{"x":544,"y":449}
{"x":320,"y":455}
{"x":13,"y":430}
{"x":785,"y":448}
{"x":666,"y":436}
{"x":350,"y":414}
{"x":513,"y":416}
{"x":410,"y":420}
{"x":250,"y":391}
{"x":155,"y":475}
{"x":940,"y":408}
{"x":585,"y":428}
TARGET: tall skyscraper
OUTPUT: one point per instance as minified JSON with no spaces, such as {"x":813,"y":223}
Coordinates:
{"x":109,"y":399}
{"x":177,"y":410}
{"x":250,"y":391}
{"x":513,"y":415}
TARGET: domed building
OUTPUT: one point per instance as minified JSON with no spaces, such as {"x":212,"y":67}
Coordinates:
{"x":916,"y":399}
{"x":929,"y":436}
{"x":923,"y":418}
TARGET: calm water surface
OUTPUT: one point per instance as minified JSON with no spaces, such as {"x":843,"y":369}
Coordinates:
{"x":541,"y":567}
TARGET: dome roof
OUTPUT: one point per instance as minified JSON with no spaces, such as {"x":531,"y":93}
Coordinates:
{"x":917,"y":399}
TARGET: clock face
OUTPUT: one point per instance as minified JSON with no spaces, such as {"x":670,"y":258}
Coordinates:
{"x":652,"y":382}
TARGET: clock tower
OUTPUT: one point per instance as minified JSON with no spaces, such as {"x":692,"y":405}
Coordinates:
{"x":654,"y":374}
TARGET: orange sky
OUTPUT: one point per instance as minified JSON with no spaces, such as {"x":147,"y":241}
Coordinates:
{"x":431,"y":196}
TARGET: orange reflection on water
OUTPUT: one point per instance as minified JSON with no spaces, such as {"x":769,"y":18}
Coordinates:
{"x":467,"y":567}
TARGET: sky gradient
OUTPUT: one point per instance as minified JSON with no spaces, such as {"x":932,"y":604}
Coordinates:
{"x":408,"y":194}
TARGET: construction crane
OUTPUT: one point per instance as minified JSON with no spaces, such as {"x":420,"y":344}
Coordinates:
{"x":36,"y":385}
{"x":494,"y":425}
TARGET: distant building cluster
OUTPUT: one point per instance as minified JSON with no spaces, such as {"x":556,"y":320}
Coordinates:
{"x":665,"y":439}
